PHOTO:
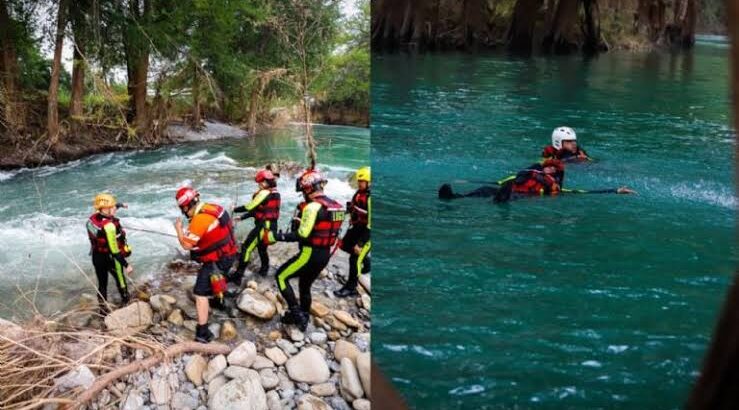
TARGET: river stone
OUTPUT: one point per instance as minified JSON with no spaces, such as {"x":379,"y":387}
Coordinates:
{"x":318,"y":338}
{"x":182,"y":401}
{"x":240,"y":394}
{"x":215,"y":367}
{"x":362,"y":404}
{"x":79,"y":377}
{"x":323,"y":389}
{"x":366,"y":302}
{"x":364,"y":368}
{"x":190,"y":325}
{"x":176,"y":318}
{"x":162,"y":303}
{"x":335,"y":323}
{"x":351,"y":386}
{"x":344,"y":349}
{"x":275,"y":334}
{"x":262,"y":362}
{"x":310,"y":402}
{"x":365,"y":281}
{"x":286,"y":346}
{"x":308,"y":366}
{"x":160,"y":393}
{"x":346,"y":319}
{"x":252,"y":302}
{"x":195,"y":368}
{"x":133,"y":401}
{"x":276,"y":355}
{"x":228,"y":331}
{"x":243,"y":355}
{"x":216,"y":384}
{"x":318,"y":309}
{"x":237,"y":372}
{"x":133,"y":318}
{"x":273,"y":400}
{"x":296,"y":335}
{"x":269,"y":378}
{"x":334,"y":335}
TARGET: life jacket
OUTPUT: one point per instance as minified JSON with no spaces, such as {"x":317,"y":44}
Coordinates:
{"x":98,"y":239}
{"x":328,"y":223}
{"x":269,"y":209}
{"x":359,"y":208}
{"x":533,"y":186}
{"x":217,"y":242}
{"x":550,"y":152}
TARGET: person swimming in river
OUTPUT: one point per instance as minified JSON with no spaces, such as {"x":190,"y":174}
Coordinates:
{"x":539,"y":179}
{"x":564,"y":147}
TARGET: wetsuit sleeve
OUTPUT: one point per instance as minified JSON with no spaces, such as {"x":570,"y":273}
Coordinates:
{"x":591,"y":191}
{"x":307,"y":222}
{"x":111,"y":237}
{"x":255,"y":202}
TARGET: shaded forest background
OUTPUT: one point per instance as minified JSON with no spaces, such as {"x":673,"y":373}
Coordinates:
{"x":557,"y":26}
{"x":140,"y":65}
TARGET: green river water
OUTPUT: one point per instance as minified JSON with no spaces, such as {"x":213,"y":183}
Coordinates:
{"x":579,"y":301}
{"x":43,"y":212}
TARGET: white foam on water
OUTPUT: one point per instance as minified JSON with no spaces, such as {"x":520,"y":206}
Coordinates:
{"x":705,"y":193}
{"x":617,"y":348}
{"x":6,"y":175}
{"x":467,"y":390}
{"x":591,"y":363}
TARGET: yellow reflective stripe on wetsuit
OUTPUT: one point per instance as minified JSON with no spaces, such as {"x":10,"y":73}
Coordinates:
{"x":253,"y":244}
{"x":257,"y":200}
{"x":111,"y":235}
{"x":362,"y":254}
{"x":369,"y":212}
{"x":308,"y":220}
{"x":305,"y":254}
{"x":506,"y":179}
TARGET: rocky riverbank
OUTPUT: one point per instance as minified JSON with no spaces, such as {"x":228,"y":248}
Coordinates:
{"x":264,"y":365}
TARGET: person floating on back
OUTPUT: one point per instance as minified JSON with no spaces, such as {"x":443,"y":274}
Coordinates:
{"x":109,"y":248}
{"x":564,"y":147}
{"x":265,"y":208}
{"x":210,"y":240}
{"x":546,"y":178}
{"x":320,"y":222}
{"x":356,"y":241}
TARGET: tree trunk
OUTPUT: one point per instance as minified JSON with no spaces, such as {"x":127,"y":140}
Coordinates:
{"x":196,"y":115}
{"x":593,"y":43}
{"x":521,"y":32}
{"x":12,"y":115}
{"x":52,"y":120}
{"x":687,"y":26}
{"x":562,"y":39}
{"x":78,"y":77}
{"x":137,"y":65}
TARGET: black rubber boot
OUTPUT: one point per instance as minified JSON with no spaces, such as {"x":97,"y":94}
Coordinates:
{"x":263,"y":271}
{"x":346,"y":291}
{"x":125,"y":298}
{"x":203,"y":334}
{"x":445,"y":192}
{"x":290,"y":317}
{"x":235,"y":277}
{"x":302,"y":320}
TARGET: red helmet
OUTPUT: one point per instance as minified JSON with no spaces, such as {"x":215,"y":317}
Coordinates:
{"x":264,"y":174}
{"x":309,"y":181}
{"x":185,"y":196}
{"x":554,"y":163}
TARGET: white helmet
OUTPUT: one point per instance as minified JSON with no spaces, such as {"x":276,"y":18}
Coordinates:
{"x":562,"y":134}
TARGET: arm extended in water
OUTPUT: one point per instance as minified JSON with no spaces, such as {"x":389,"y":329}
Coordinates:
{"x":621,"y":190}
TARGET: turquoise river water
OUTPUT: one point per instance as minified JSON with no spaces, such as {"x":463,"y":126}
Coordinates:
{"x":44,"y":245}
{"x":579,"y":301}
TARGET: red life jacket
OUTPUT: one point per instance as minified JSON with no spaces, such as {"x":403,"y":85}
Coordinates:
{"x":269,"y":209}
{"x":219,"y":241}
{"x":328,"y":223}
{"x":533,"y":187}
{"x":98,"y":239}
{"x":359,"y":208}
